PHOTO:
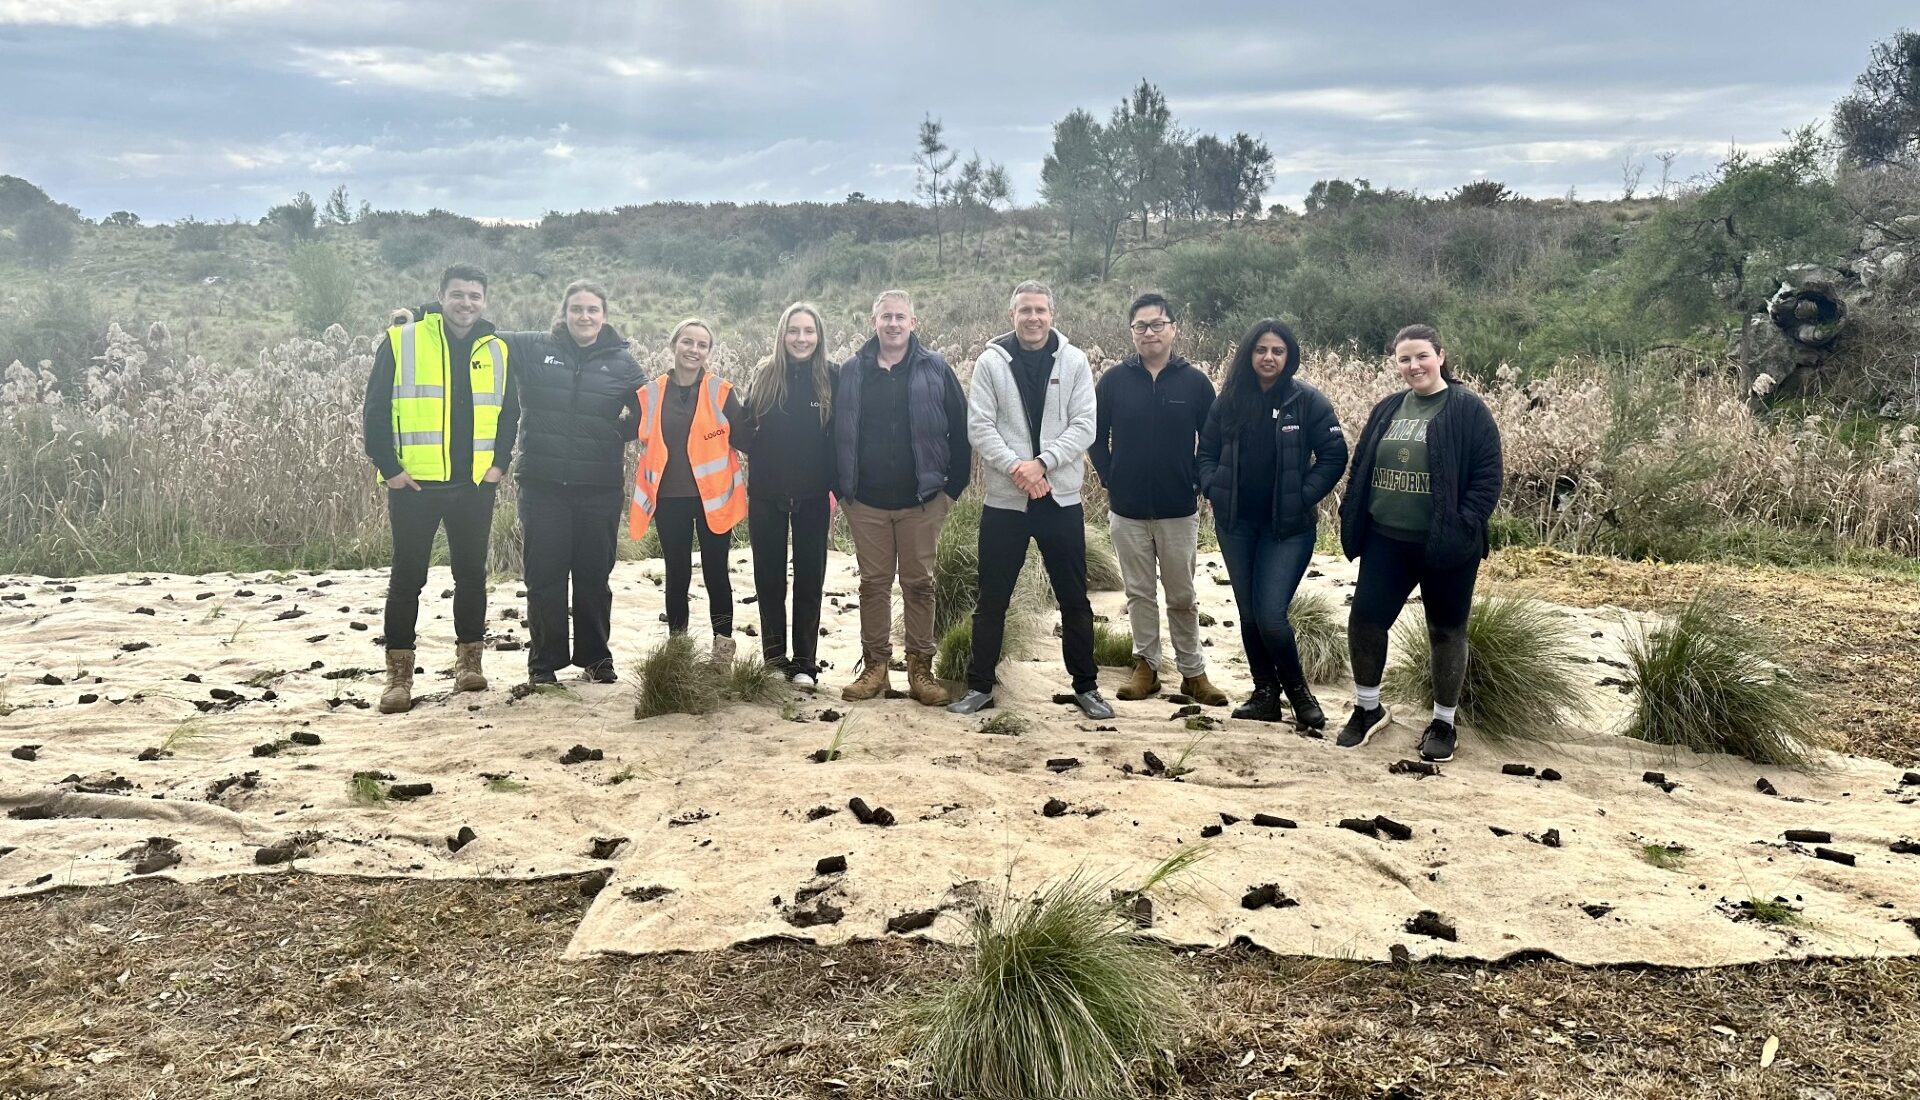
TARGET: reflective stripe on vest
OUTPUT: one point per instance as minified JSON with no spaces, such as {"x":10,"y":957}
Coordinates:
{"x":710,"y":456}
{"x":421,"y":417}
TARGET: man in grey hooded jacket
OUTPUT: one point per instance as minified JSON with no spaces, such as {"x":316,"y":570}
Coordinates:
{"x":1030,"y":416}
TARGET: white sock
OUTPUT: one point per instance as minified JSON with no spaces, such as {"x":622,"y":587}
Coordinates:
{"x":1367,"y":698}
{"x":1444,"y":714}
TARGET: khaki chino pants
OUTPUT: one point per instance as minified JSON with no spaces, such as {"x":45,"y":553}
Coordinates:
{"x":890,"y":543}
{"x":1153,"y":553}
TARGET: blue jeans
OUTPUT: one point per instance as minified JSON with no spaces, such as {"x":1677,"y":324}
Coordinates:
{"x":1265,"y":572}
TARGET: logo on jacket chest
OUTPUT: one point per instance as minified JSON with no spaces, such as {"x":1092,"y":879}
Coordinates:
{"x":715,"y":434}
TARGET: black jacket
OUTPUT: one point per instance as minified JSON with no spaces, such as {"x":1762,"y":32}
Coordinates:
{"x":580,"y":407}
{"x":1144,"y":434}
{"x":791,"y":456}
{"x":377,"y":414}
{"x":936,"y":419}
{"x":1310,"y":448}
{"x":1463,"y":457}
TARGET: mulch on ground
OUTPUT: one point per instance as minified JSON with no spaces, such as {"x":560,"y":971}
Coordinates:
{"x":1853,"y":637}
{"x":324,"y":988}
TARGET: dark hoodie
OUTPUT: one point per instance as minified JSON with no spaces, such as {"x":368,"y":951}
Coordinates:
{"x":580,"y":407}
{"x":377,"y":415}
{"x":1307,"y":453}
{"x":791,"y":455}
{"x":1144,"y":434}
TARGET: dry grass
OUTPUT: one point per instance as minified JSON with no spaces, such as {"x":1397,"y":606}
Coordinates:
{"x":1855,"y":635}
{"x":293,"y":987}
{"x":157,"y":461}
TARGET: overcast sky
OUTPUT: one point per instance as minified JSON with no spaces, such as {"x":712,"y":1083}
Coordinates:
{"x":220,"y":108}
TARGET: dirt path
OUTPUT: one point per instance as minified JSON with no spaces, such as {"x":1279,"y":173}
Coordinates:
{"x":1855,"y":636}
{"x":303,"y":987}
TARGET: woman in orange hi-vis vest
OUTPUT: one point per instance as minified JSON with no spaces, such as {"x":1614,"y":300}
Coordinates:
{"x":690,"y":482}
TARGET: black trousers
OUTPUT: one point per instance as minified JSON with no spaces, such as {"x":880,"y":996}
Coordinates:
{"x":415,"y":516}
{"x":768,"y":523}
{"x":571,"y":534}
{"x":678,"y":519}
{"x":1061,"y":533}
{"x":1389,"y":571}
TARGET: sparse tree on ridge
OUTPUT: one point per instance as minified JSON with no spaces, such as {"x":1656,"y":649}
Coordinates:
{"x":932,"y":162}
{"x":337,"y":211}
{"x":296,"y":219}
{"x":1880,"y":122}
{"x":1070,"y":177}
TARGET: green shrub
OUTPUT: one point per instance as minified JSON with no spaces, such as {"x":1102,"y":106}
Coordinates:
{"x":1112,"y":648}
{"x":1506,"y":529}
{"x":1215,"y":279}
{"x":1703,"y":680}
{"x":322,"y":287}
{"x":54,"y":324}
{"x":1523,"y":669}
{"x":1057,"y":998}
{"x":1320,"y":633}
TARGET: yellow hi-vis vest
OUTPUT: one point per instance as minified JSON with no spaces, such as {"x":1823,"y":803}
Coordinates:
{"x":716,"y":468}
{"x":421,"y":420}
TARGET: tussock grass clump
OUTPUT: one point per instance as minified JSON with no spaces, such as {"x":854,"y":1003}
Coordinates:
{"x":677,"y":677}
{"x":1103,"y":568}
{"x":956,"y":645}
{"x":1320,"y":631}
{"x":1523,"y":669}
{"x":1059,"y":998}
{"x":1703,"y":680}
{"x":1667,"y":857}
{"x":365,"y":789}
{"x":1112,"y":648}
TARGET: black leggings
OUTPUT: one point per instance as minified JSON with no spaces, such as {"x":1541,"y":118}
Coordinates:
{"x":768,"y":522}
{"x":1389,"y":570}
{"x":677,"y":519}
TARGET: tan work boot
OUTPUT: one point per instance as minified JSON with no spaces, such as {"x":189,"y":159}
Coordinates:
{"x":723,"y":650}
{"x":1201,"y":690}
{"x":923,"y":685}
{"x":1144,"y":683}
{"x":466,"y":667}
{"x":398,"y":696}
{"x":873,"y":681}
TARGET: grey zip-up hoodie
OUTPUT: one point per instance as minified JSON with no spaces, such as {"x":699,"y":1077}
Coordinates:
{"x":998,"y":429}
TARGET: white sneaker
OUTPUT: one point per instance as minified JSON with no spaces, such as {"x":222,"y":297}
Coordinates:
{"x":802,"y":680}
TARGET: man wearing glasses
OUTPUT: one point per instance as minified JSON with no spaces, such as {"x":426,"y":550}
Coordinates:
{"x":1150,"y":410}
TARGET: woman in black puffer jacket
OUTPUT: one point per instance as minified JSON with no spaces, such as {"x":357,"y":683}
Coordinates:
{"x":1270,"y":451}
{"x":580,"y":407}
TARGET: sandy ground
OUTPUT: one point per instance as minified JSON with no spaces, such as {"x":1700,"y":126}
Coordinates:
{"x":712,"y":827}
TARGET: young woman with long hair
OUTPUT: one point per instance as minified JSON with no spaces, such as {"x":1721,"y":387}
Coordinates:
{"x":791,"y":473}
{"x":1270,"y":451}
{"x":1426,"y":478}
{"x":579,"y":402}
{"x":690,"y":482}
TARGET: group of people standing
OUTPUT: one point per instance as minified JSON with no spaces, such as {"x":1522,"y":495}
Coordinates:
{"x":890,"y":437}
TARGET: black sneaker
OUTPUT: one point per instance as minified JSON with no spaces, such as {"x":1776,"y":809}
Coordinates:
{"x":543,"y":676}
{"x":1307,"y":714}
{"x":1362,"y":724}
{"x":1436,"y":745}
{"x":1262,"y":706}
{"x":601,"y":672}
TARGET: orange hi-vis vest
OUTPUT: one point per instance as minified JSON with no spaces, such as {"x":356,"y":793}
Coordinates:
{"x":716,"y":468}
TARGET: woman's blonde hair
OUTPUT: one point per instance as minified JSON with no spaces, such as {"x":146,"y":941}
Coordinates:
{"x":691,"y":322}
{"x":769,"y":388}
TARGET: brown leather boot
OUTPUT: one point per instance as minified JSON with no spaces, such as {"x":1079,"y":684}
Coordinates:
{"x":1201,"y":690}
{"x":873,"y":681}
{"x":466,"y":667}
{"x":1144,"y":683}
{"x":923,"y":685}
{"x":398,"y":696}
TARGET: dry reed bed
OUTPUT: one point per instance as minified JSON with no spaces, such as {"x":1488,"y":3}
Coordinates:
{"x":178,"y":463}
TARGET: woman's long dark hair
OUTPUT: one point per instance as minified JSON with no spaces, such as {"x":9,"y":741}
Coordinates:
{"x":1240,"y":398}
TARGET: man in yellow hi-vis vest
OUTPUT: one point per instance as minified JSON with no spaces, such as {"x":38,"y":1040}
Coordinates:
{"x":440,"y":420}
